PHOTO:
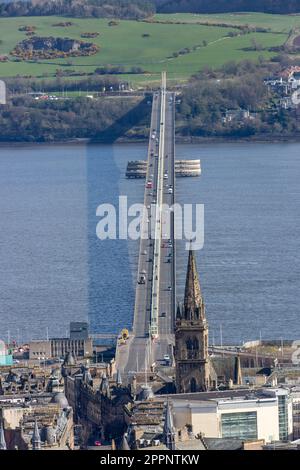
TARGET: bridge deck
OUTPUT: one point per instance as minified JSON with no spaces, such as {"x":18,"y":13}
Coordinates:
{"x":152,"y":335}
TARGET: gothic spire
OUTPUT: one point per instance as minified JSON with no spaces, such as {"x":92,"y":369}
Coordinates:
{"x":169,"y":434}
{"x":36,"y":438}
{"x":2,"y":438}
{"x":192,"y":294}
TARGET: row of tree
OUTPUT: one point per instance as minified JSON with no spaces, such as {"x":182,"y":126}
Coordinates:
{"x":26,"y":120}
{"x":216,"y":6}
{"x":20,"y":85}
{"x":138,"y":9}
{"x":133,"y":9}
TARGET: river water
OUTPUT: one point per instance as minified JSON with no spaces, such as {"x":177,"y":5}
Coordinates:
{"x":53,"y":268}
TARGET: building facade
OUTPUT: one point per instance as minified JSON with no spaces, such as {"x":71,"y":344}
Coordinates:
{"x":59,"y":347}
{"x":266,"y":415}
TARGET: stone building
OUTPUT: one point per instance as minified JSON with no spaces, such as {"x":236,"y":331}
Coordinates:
{"x":97,"y":397}
{"x":24,"y":381}
{"x":59,"y":347}
{"x":194,"y":370}
{"x":40,"y":422}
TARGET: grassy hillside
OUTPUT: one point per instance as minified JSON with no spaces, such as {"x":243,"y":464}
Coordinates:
{"x":124,"y":44}
{"x":277,"y":23}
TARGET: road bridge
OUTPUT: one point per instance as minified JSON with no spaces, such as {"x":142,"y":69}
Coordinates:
{"x":152,"y":336}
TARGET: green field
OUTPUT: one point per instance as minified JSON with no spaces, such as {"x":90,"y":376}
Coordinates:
{"x":277,"y":23}
{"x":125,"y":45}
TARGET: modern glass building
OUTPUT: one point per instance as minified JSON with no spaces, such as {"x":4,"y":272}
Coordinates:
{"x":285,"y":412}
{"x":242,"y":425}
{"x":262,"y":414}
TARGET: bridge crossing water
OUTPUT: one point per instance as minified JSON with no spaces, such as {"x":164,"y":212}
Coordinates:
{"x":152,"y":336}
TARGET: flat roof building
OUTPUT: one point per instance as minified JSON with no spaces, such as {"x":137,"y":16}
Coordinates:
{"x":264,"y":415}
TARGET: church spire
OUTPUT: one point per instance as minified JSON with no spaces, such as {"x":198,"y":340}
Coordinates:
{"x":2,"y":438}
{"x":194,"y":370}
{"x":192,"y":294}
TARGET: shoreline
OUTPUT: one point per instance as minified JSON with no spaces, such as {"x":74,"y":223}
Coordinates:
{"x":262,"y":139}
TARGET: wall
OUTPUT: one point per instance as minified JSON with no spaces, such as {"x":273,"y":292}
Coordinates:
{"x":202,"y":416}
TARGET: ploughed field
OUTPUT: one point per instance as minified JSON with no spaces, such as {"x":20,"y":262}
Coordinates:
{"x":175,"y":43}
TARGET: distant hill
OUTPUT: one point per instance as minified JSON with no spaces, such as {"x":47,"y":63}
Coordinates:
{"x":137,"y":9}
{"x":225,"y":6}
{"x":130,"y":9}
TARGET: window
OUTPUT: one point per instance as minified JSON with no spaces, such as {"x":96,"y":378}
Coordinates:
{"x":243,"y":425}
{"x":283,"y":417}
{"x":192,"y":346}
{"x":193,"y":385}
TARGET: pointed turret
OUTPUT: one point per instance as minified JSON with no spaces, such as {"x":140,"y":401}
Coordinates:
{"x":125,"y":445}
{"x":169,"y":434}
{"x":103,"y":382}
{"x":178,"y":312}
{"x":36,"y":438}
{"x":133,"y":386}
{"x":69,"y":359}
{"x":2,"y":438}
{"x":104,"y":386}
{"x":119,"y":378}
{"x":237,"y":371}
{"x":86,"y":375}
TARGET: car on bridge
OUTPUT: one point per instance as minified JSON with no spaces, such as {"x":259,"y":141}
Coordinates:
{"x":142,"y":279}
{"x":167,"y":359}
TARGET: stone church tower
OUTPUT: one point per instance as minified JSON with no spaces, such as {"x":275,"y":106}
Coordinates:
{"x":194,"y":373}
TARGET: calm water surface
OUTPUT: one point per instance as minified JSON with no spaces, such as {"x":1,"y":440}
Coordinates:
{"x":53,"y":269}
